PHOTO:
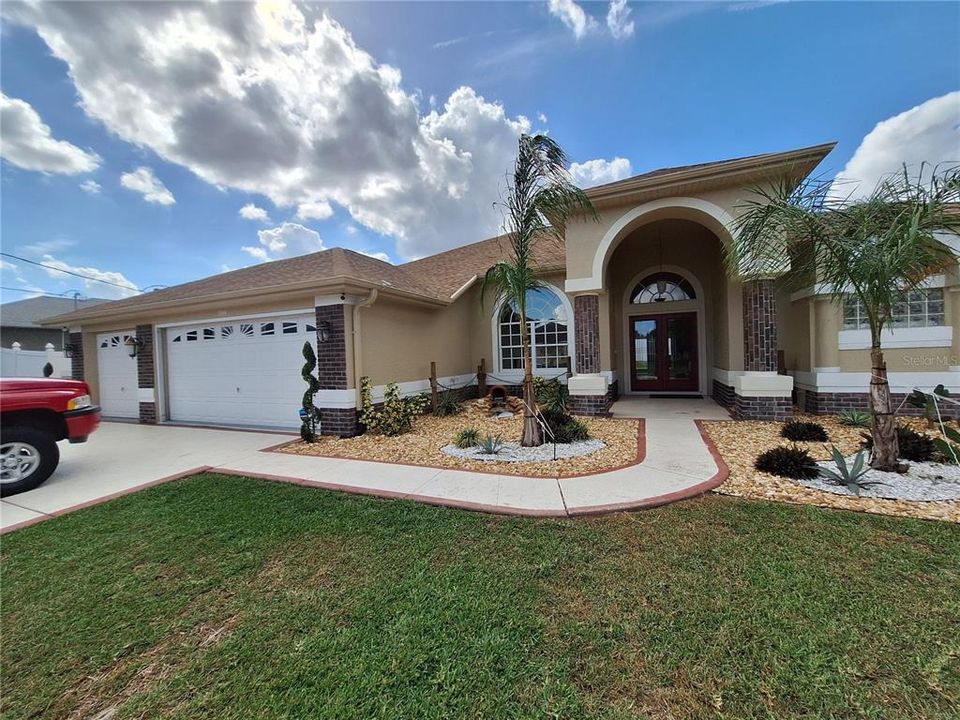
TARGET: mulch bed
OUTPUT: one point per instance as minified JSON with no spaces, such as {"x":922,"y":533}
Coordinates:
{"x":740,"y":442}
{"x":422,"y":446}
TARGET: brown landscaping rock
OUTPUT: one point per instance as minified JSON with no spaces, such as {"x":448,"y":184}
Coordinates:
{"x":740,"y":442}
{"x":422,"y":446}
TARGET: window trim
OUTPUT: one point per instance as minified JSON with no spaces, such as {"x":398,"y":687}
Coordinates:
{"x":860,"y":317}
{"x":517,"y":373}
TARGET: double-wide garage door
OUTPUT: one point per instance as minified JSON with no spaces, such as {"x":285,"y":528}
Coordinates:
{"x":242,"y":372}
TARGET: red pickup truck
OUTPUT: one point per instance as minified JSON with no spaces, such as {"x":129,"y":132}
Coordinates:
{"x":34,"y":415}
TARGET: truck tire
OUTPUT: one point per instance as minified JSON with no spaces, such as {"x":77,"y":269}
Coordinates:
{"x":28,"y":456}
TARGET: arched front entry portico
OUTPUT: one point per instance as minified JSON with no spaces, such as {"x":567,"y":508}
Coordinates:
{"x":719,"y":339}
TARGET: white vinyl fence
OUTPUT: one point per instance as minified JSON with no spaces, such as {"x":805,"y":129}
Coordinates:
{"x":15,"y":362}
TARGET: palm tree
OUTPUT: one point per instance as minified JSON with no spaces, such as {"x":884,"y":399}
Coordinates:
{"x":876,"y":248}
{"x":539,"y":200}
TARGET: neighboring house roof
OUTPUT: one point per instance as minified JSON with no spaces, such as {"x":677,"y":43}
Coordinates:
{"x":31,"y":312}
{"x":437,"y":279}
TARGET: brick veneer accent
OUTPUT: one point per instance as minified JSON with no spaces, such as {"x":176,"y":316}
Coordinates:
{"x":759,"y":325}
{"x":762,"y":408}
{"x":595,"y":405}
{"x":827,"y":403}
{"x":332,"y":354}
{"x":146,"y":377}
{"x":723,"y":394}
{"x":586,"y":322}
{"x":332,"y":370}
{"x":76,"y":359}
{"x":148,"y":413}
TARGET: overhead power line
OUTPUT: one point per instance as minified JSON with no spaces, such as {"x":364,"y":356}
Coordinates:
{"x":69,"y":272}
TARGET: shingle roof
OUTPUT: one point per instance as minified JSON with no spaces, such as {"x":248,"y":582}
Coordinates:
{"x":29,"y":312}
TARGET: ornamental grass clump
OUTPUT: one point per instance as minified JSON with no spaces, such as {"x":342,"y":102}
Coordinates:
{"x":789,"y":462}
{"x":447,"y":405}
{"x":800,"y":431}
{"x":466,"y":438}
{"x":491,"y":444}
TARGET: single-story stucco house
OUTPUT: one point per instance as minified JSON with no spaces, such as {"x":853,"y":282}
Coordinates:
{"x":637,"y":303}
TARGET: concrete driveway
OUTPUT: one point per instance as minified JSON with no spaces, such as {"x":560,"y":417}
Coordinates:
{"x":121,"y":456}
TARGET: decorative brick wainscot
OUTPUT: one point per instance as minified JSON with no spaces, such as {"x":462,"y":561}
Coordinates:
{"x":146,"y":374}
{"x":760,"y":393}
{"x":332,"y":369}
{"x":833,"y":403}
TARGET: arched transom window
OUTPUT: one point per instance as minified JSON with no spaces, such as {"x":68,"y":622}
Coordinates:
{"x":662,"y":287}
{"x":547,"y":321}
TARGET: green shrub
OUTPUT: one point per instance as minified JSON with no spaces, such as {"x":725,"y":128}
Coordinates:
{"x":573,"y":431}
{"x":948,"y":446}
{"x":914,"y":446}
{"x":447,"y":405}
{"x":855,"y":418}
{"x":466,"y":438}
{"x":789,"y":462}
{"x":398,"y":412}
{"x":491,"y":444}
{"x":800,"y":431}
{"x":552,"y":395}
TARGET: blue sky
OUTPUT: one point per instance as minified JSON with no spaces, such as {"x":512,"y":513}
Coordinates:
{"x":135,"y":134}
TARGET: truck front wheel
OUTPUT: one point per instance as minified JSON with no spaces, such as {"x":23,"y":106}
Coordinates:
{"x":28,"y":456}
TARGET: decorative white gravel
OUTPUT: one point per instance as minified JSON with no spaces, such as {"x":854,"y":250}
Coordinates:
{"x":512,"y":452}
{"x":923,"y":482}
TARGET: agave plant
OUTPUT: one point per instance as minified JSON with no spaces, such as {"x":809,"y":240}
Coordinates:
{"x":491,"y":444}
{"x":949,"y":445}
{"x":849,"y":476}
{"x":854,"y":418}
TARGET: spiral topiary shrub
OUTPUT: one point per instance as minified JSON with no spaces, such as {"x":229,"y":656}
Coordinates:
{"x":800,"y":431}
{"x":789,"y":462}
{"x":309,"y":413}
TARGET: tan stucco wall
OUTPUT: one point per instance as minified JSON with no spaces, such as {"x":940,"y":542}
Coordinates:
{"x":793,"y":329}
{"x":585,"y":236}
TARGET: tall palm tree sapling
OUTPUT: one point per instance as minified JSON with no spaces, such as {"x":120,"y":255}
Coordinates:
{"x":877,"y":248}
{"x":540,"y":198}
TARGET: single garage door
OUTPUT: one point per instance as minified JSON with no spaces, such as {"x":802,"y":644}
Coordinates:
{"x":118,"y":376}
{"x":243,"y":372}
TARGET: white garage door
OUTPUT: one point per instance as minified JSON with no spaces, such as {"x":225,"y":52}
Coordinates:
{"x":244,"y":372}
{"x":118,"y":376}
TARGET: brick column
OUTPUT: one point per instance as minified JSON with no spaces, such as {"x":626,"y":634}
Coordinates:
{"x":332,"y":370}
{"x":760,"y":393}
{"x":146,"y":374}
{"x":589,"y":393}
{"x":76,"y":359}
{"x":586,"y":323}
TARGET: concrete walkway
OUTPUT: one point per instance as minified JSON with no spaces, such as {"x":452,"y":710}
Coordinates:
{"x":122,"y":458}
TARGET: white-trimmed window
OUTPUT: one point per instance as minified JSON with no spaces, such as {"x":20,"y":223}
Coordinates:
{"x":662,"y":287}
{"x":919,"y":308}
{"x":549,"y":333}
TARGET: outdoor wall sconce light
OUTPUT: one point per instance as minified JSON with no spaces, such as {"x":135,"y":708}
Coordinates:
{"x":133,"y":345}
{"x":68,"y":349}
{"x":323,"y":331}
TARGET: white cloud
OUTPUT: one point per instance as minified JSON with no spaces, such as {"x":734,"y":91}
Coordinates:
{"x":94,"y":288}
{"x":541,"y":117}
{"x":143,"y":181}
{"x":314,"y":210}
{"x":27,"y":142}
{"x":90,"y":186}
{"x":252,"y":212}
{"x":572,"y":15}
{"x":618,"y":19}
{"x":286,"y":240}
{"x":928,"y":133}
{"x":599,"y":171}
{"x":219,"y":88}
{"x":378,"y":255}
{"x":351,"y":229}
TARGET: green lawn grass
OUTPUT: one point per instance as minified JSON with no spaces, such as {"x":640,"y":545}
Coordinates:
{"x":222,"y":597}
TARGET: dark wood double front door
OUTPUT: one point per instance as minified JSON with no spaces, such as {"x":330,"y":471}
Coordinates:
{"x":663,"y":353}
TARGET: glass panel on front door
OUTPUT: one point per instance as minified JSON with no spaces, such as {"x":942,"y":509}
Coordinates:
{"x":664,"y":353}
